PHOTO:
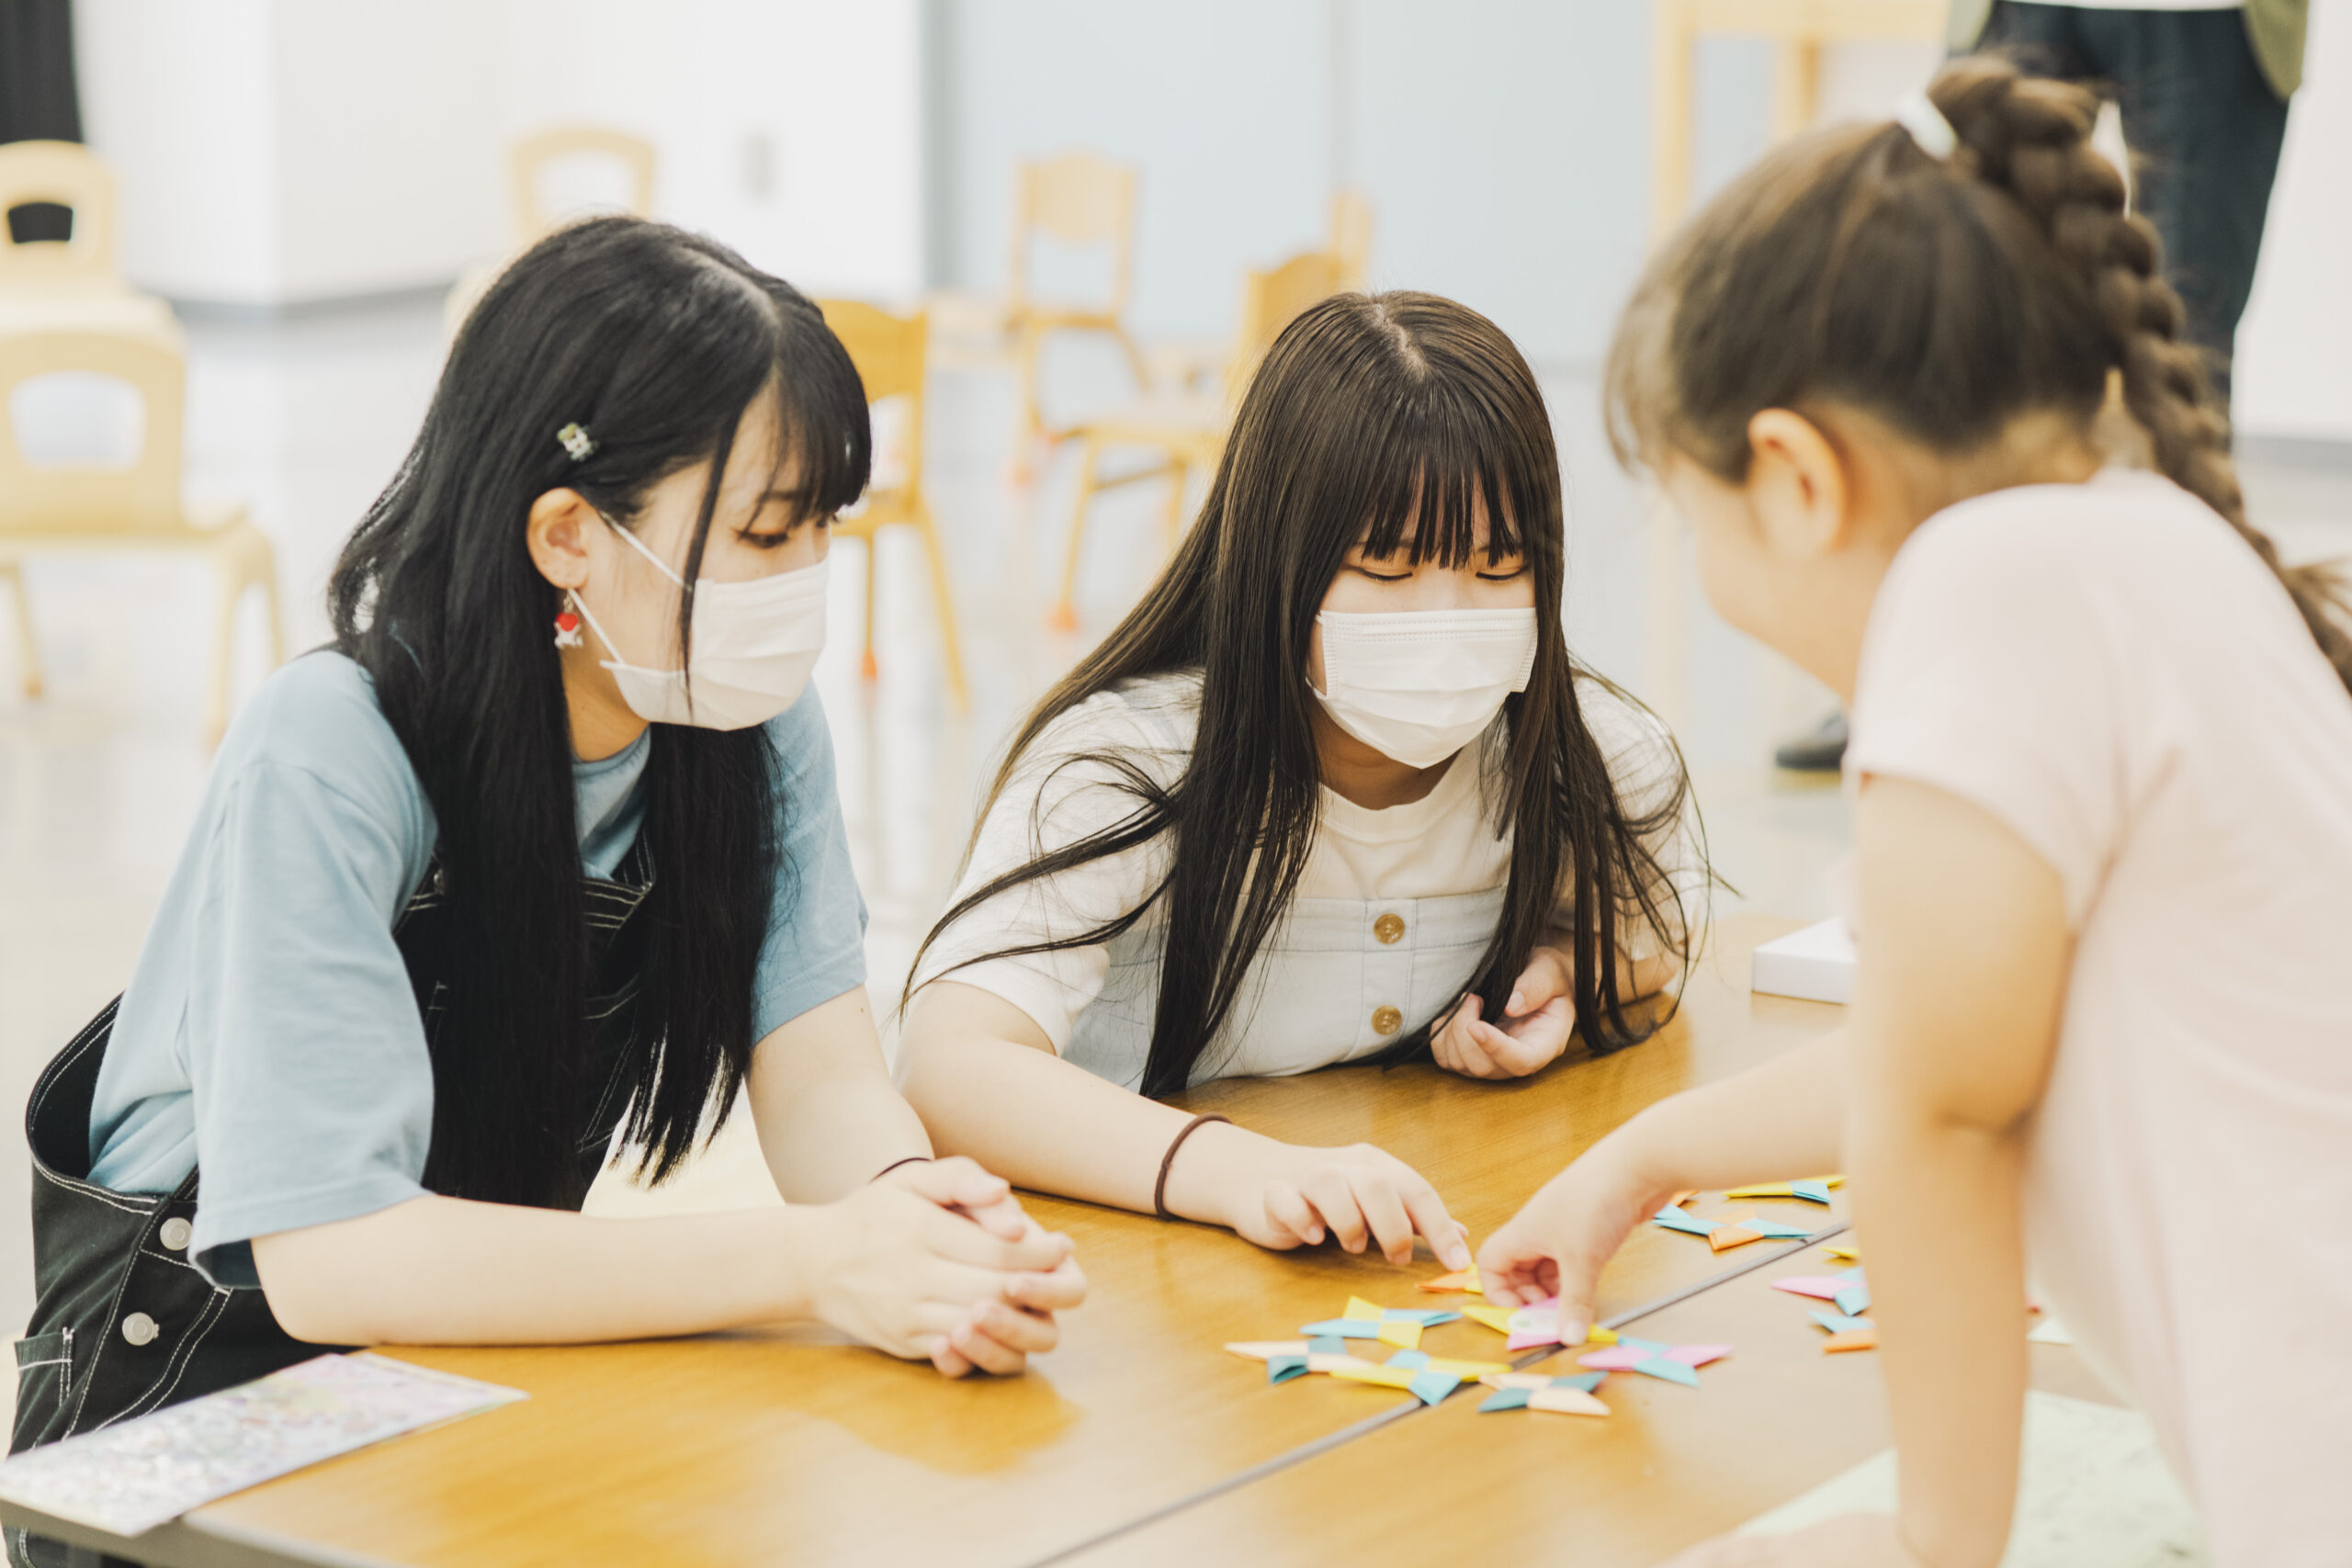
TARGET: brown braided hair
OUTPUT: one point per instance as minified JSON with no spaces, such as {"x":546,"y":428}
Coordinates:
{"x":1946,"y":297}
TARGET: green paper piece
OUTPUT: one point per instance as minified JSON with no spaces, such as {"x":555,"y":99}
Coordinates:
{"x":1672,"y":1371}
{"x":1430,"y":1387}
{"x":1282,"y":1368}
{"x":1342,"y":1329}
{"x":1508,"y":1399}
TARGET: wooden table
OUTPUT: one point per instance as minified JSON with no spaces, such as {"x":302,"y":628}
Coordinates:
{"x":793,"y":1447}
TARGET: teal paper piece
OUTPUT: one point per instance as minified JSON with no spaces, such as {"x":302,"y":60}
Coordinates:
{"x":1508,"y":1399}
{"x":1411,"y":1360}
{"x":1854,"y":1300}
{"x":1654,"y":1347}
{"x":1672,"y":1371}
{"x":1430,"y":1387}
{"x":1327,"y":1345}
{"x":1677,"y":1220}
{"x":1428,"y":1318}
{"x":1811,"y":1191}
{"x":1342,"y":1329}
{"x":1777,"y":1230}
{"x":1584,"y":1381}
{"x":1837,"y":1322}
{"x":1282,"y":1368}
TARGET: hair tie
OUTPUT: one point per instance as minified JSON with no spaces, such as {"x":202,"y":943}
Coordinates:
{"x":1927,"y":126}
{"x":575,"y":441}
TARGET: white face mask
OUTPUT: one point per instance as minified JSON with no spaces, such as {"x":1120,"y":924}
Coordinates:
{"x":1419,"y":685}
{"x":753,"y":646}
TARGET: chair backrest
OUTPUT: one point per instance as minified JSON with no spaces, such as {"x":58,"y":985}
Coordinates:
{"x":143,"y":497}
{"x":889,"y":353}
{"x":528,"y":159}
{"x":1077,"y":199}
{"x":70,"y":175}
{"x":1271,"y":300}
{"x":1351,"y":237}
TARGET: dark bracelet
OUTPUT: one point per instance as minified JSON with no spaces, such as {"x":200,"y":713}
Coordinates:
{"x":910,"y":1159}
{"x":1159,"y":1188}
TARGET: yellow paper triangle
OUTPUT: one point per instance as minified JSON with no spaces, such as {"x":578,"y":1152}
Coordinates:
{"x":1468,"y":1371}
{"x":1403,"y":1333}
{"x":1361,"y":1310}
{"x":1391,"y":1377}
{"x":1495,"y":1317}
{"x":1596,"y":1334}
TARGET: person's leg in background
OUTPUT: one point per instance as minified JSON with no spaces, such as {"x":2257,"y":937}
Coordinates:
{"x":2204,"y":127}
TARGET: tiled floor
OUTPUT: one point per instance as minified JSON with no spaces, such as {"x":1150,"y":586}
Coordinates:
{"x":307,"y":418}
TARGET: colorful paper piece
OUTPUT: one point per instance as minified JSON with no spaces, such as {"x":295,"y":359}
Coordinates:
{"x":1728,"y":1231}
{"x":1838,"y":1323}
{"x":1562,"y":1396}
{"x":1675,"y":1219}
{"x":1675,"y":1363}
{"x":1468,"y":1371}
{"x":1843,"y":1251}
{"x":1495,"y":1317}
{"x":1723,"y":1238}
{"x":1427,"y":1385}
{"x":1852,"y":1296}
{"x":1460,"y":1279}
{"x":1856,"y":1339}
{"x":1681,"y":1198}
{"x":1314,"y":1354}
{"x":1399,"y":1326}
{"x":1774,"y":1230}
{"x":1813,"y":1189}
{"x":1283,"y":1367}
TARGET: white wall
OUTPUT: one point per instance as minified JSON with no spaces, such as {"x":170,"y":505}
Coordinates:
{"x":2294,"y":365}
{"x":276,"y":151}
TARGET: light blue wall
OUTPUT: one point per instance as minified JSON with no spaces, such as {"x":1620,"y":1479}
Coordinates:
{"x":1504,"y":143}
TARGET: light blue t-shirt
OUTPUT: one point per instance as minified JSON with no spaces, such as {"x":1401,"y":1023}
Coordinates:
{"x":270,"y":1026}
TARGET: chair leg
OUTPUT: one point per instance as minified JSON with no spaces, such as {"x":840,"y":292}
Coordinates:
{"x":28,"y":645}
{"x":1064,"y":615}
{"x":866,"y":664}
{"x":1136,"y":361}
{"x":950,"y":652}
{"x":1020,"y":469}
{"x":1171,"y":517}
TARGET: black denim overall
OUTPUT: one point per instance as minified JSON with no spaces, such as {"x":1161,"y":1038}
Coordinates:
{"x":124,"y":1323}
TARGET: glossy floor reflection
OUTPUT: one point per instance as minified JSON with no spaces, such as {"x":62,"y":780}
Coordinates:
{"x":307,"y":419}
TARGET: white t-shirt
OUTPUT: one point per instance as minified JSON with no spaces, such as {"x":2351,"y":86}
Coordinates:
{"x":2110,"y":671}
{"x":1443,"y":845}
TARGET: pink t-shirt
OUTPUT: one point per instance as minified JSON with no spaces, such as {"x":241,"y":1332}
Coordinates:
{"x":2111,"y":673}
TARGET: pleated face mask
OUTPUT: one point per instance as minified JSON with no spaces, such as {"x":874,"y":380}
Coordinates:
{"x":752,"y":646}
{"x":1419,"y":685}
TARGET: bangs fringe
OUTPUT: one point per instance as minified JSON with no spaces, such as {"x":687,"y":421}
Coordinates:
{"x":1441,"y":455}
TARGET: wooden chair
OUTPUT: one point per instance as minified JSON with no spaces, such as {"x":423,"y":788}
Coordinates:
{"x":1798,"y":29}
{"x":1187,"y":429}
{"x":70,"y":284}
{"x":1192,"y":363}
{"x":889,"y":353}
{"x":528,"y":161}
{"x":1076,"y":199}
{"x":138,"y":507}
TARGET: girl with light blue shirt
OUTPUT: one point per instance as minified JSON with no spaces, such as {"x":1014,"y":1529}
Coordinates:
{"x":543,"y":850}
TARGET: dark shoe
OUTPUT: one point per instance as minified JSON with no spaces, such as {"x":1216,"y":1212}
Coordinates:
{"x":1823,"y":751}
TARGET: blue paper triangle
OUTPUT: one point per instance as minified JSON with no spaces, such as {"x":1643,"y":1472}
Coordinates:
{"x":1411,"y":1360}
{"x":1327,"y":1345}
{"x":1282,"y":1368}
{"x":1837,"y":1322}
{"x":1430,"y":1387}
{"x":1672,"y":1371}
{"x":1677,"y":1220}
{"x":1588,"y":1382}
{"x":1504,"y":1399}
{"x":1854,"y":1300}
{"x":1812,"y":1191}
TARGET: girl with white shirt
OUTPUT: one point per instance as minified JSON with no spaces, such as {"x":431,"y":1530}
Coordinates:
{"x":2102,"y":761}
{"x":1333,"y":791}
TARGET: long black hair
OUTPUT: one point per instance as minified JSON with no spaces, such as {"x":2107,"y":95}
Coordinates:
{"x":656,"y":342}
{"x":1371,"y":416}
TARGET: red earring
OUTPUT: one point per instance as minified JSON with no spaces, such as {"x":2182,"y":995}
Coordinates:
{"x":567,"y":630}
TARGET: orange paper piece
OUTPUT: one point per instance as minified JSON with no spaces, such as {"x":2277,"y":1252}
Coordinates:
{"x":1724,"y":1237}
{"x":1460,"y":1279}
{"x":1852,"y":1339}
{"x":1681,"y":1198}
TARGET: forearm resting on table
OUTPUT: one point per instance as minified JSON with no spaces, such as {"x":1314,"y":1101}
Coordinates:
{"x":436,"y":1270}
{"x":1783,"y":1118}
{"x":829,"y":1117}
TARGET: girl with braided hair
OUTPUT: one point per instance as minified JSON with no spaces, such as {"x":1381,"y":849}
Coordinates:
{"x":2102,"y":768}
